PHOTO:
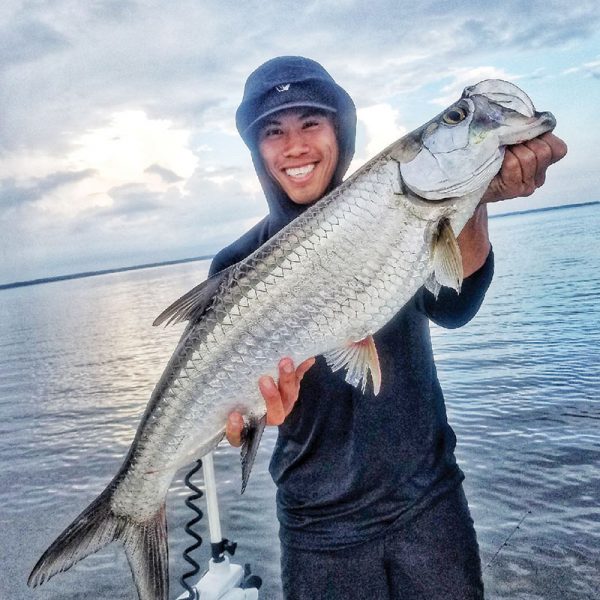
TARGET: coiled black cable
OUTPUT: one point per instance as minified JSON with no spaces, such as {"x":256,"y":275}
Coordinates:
{"x":189,"y":502}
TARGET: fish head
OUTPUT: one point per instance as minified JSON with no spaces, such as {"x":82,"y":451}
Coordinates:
{"x":460,"y":151}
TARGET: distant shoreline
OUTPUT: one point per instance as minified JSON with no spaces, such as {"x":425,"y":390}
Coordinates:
{"x":544,"y":209}
{"x":6,"y":286}
{"x":165,"y":263}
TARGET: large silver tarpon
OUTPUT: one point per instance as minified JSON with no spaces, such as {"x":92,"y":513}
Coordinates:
{"x":323,"y":285}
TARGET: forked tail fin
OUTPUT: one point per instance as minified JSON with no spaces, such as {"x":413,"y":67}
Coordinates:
{"x":145,"y":544}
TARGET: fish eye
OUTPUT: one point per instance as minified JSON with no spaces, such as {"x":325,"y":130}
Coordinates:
{"x":454,"y":115}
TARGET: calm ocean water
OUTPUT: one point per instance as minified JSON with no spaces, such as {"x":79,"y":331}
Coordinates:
{"x":79,"y":358}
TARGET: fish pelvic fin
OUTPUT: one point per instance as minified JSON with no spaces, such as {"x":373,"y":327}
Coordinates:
{"x":360,"y":358}
{"x":251,"y":440}
{"x":446,"y":257}
{"x":97,"y":526}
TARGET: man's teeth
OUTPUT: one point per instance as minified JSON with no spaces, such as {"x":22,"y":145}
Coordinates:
{"x":300,"y":171}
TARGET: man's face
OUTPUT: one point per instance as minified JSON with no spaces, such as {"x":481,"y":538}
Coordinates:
{"x":300,"y":152}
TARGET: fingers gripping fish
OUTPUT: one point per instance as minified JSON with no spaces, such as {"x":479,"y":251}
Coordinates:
{"x":323,"y":285}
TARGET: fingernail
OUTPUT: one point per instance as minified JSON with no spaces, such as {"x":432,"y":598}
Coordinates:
{"x":267,"y":382}
{"x":288,"y":367}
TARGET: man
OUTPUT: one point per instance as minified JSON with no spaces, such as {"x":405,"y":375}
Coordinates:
{"x":369,"y":497}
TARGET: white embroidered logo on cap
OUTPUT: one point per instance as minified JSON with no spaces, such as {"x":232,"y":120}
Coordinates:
{"x":283,"y":88}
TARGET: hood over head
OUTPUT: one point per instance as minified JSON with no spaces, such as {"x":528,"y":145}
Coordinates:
{"x":289,"y":82}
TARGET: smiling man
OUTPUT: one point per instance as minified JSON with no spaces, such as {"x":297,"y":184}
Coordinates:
{"x":300,"y":152}
{"x":369,"y":495}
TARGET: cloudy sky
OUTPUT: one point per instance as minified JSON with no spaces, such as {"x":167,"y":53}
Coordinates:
{"x":117,"y":136}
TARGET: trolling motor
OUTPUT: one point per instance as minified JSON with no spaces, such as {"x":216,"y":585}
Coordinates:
{"x":224,"y":580}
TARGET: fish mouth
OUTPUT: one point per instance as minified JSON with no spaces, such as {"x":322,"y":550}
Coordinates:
{"x":511,"y":111}
{"x":512,"y":132}
{"x":504,"y":94}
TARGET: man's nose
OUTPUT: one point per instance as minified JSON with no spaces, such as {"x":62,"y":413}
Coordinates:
{"x":296,"y":144}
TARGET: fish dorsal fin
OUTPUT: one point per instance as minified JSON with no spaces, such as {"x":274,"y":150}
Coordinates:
{"x":447,"y":261}
{"x":191,"y":306}
{"x":359,"y":358}
{"x":252,"y":434}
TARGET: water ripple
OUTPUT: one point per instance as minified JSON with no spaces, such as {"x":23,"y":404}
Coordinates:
{"x":79,"y":359}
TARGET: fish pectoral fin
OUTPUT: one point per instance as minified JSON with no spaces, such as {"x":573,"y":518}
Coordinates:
{"x":360,"y":358}
{"x":193,"y":305}
{"x":447,"y":261}
{"x":251,"y":440}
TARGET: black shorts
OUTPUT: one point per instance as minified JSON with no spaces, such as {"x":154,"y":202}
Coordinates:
{"x":433,"y":557}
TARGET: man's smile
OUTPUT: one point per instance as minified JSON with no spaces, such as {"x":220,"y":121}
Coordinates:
{"x":300,"y":172}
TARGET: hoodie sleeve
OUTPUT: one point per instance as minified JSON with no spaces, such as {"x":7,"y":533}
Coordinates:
{"x":452,"y":310}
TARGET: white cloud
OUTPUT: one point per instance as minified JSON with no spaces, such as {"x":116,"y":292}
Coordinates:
{"x":382,"y":127}
{"x":118,"y":117}
{"x":118,"y":153}
{"x":461,"y":78}
{"x":591,"y":68}
{"x":123,"y":150}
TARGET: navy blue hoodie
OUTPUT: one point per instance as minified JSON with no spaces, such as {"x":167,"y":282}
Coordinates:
{"x":348,"y":465}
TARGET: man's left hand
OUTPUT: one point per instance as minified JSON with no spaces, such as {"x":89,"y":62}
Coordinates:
{"x":524,"y":168}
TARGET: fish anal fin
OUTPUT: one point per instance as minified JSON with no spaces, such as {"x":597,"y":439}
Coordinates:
{"x":446,"y":257}
{"x":192,"y":305}
{"x":251,"y":440}
{"x":359,"y":358}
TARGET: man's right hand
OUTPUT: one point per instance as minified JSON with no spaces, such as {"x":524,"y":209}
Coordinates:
{"x":279,"y":397}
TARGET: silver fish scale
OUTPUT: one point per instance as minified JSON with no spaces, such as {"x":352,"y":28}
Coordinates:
{"x":333,"y":276}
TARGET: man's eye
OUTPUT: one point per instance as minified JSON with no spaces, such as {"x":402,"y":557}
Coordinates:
{"x":271,"y":131}
{"x":311,"y":123}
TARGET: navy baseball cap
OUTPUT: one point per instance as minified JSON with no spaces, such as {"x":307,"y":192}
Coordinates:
{"x":287,"y":82}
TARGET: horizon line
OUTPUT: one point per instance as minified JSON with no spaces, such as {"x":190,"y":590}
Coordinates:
{"x":177,"y":261}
